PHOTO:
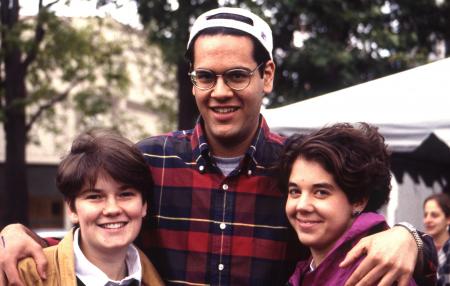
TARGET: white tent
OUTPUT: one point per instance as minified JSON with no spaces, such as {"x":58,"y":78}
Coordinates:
{"x":407,"y":107}
{"x":412,"y":111}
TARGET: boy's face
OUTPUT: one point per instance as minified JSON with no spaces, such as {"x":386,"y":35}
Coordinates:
{"x":231,"y":117}
{"x":110,"y":216}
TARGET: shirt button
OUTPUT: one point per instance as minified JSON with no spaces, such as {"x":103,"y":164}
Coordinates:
{"x":201,"y":168}
{"x":249,"y":172}
{"x":224,"y":187}
{"x":223,"y":226}
{"x":221,"y":267}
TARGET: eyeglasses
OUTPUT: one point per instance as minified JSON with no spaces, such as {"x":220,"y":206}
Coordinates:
{"x":236,"y":79}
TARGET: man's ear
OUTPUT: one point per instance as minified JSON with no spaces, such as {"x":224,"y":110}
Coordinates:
{"x":268,"y":76}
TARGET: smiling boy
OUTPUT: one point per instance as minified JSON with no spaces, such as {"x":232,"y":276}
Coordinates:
{"x":104,"y":180}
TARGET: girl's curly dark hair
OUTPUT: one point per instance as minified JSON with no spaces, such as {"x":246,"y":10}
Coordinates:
{"x":355,"y":154}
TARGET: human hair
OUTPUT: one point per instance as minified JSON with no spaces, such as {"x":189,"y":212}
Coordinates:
{"x":260,"y":54}
{"x":442,"y":199}
{"x":355,"y":155}
{"x":97,"y":151}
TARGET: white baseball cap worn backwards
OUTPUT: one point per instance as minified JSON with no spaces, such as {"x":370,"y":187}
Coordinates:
{"x":256,"y":27}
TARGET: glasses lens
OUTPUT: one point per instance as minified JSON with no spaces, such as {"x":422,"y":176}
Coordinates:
{"x":203,"y":78}
{"x":237,"y":79}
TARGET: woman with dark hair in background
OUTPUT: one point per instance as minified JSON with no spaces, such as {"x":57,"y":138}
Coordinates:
{"x":436,"y":219}
{"x":335,"y":179}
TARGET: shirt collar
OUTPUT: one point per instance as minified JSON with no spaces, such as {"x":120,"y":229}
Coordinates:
{"x":200,"y":146}
{"x":90,"y":274}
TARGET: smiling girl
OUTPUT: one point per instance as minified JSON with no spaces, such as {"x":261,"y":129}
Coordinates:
{"x":336,"y":178}
{"x":104,"y":181}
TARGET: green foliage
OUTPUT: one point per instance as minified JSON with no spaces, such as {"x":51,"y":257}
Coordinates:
{"x":351,"y":42}
{"x":168,"y":27}
{"x":348,"y":41}
{"x":71,"y":63}
{"x":80,"y":62}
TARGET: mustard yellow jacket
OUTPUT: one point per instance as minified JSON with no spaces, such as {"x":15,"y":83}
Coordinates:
{"x":61,"y":267}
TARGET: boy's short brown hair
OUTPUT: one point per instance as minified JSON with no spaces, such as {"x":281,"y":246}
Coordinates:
{"x":102,"y":150}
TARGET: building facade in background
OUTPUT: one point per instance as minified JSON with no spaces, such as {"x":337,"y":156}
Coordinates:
{"x":147,"y":108}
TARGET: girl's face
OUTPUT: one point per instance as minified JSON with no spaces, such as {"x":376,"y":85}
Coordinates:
{"x":316,"y":207}
{"x":434,"y":219}
{"x":110,"y":216}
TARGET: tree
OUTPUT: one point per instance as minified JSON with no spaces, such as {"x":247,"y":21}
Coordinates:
{"x":320,"y":46}
{"x":168,"y":28}
{"x":46,"y":61}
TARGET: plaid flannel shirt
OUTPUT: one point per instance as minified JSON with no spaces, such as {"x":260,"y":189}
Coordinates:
{"x":208,"y":229}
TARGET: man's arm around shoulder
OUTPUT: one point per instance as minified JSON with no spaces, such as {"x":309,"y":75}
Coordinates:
{"x":18,"y":242}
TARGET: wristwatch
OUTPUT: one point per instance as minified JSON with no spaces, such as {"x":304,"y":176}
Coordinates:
{"x":413,"y":231}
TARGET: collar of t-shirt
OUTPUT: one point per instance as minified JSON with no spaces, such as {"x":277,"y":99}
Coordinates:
{"x":227,"y":165}
{"x":90,"y":274}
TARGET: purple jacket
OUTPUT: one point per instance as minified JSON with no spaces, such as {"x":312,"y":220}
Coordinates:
{"x":329,"y":272}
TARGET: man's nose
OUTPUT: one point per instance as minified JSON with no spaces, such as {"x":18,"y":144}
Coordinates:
{"x":221,"y":89}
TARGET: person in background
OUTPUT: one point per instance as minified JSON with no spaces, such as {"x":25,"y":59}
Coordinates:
{"x":336,"y":179}
{"x":216,"y":215}
{"x":436,"y":219}
{"x":104,"y":180}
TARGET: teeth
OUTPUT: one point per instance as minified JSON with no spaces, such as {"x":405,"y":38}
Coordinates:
{"x":224,"y":109}
{"x":113,"y":225}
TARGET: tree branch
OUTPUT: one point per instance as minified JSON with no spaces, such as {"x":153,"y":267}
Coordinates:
{"x":49,"y":4}
{"x":42,"y":108}
{"x":39,"y":34}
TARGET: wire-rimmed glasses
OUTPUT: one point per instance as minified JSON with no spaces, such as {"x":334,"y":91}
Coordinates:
{"x":236,"y":79}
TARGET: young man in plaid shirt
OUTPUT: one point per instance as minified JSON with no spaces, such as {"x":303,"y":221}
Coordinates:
{"x":217,"y":216}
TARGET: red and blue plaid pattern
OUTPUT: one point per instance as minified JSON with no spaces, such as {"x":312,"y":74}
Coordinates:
{"x":208,"y":229}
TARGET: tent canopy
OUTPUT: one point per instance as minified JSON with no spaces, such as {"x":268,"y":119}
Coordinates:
{"x":408,"y":107}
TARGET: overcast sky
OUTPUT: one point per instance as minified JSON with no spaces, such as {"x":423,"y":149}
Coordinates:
{"x":126,"y":14}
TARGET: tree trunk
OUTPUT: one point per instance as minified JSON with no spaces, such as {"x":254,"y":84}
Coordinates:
{"x":187,"y":108}
{"x":16,"y":190}
{"x":14,"y":92}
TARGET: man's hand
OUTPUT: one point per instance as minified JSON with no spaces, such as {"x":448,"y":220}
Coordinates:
{"x":18,"y":242}
{"x":391,"y":257}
